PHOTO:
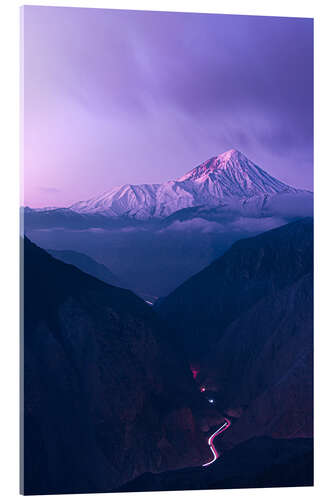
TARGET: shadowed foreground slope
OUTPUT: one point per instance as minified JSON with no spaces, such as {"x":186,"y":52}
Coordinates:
{"x":257,"y":463}
{"x":105,"y":397}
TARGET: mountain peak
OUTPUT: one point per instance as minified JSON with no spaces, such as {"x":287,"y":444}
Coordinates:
{"x":229,"y":160}
{"x":231,"y":153}
{"x":232,"y":174}
{"x":230,"y":157}
{"x":228,"y":175}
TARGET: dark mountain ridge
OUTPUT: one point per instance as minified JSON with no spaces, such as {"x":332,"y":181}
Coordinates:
{"x":200,"y":309}
{"x":87,"y":265}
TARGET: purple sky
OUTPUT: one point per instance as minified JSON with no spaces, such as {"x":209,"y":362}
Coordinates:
{"x":114,"y":97}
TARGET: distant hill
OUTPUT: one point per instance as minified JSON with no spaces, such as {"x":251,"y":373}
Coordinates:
{"x":87,"y":265}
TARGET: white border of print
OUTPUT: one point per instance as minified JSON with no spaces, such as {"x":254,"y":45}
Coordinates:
{"x":9,"y":256}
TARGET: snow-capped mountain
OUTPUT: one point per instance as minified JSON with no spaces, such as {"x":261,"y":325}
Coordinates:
{"x":227,"y":179}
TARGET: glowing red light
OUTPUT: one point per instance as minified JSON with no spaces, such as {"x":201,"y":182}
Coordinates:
{"x":202,"y":389}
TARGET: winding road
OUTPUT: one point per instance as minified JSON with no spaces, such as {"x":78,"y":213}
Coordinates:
{"x":221,"y":429}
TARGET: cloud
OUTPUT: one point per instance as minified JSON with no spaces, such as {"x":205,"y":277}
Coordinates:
{"x":49,"y":190}
{"x":196,"y":224}
{"x":228,"y":225}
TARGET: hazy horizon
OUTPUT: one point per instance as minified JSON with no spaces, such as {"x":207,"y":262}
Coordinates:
{"x":114,"y":97}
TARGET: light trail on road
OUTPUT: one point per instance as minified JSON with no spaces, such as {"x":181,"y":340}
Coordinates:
{"x":221,"y":429}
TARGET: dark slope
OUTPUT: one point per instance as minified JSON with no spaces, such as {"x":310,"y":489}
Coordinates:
{"x":105,"y":397}
{"x":94,"y":268}
{"x":258,"y":463}
{"x":262,"y":370}
{"x":201,"y":309}
{"x":87,"y":265}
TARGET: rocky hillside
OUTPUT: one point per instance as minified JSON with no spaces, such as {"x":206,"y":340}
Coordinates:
{"x":200,"y":310}
{"x":246,"y":323}
{"x":262,"y":369}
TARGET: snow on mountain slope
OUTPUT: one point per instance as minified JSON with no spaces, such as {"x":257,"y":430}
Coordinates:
{"x":128,"y":199}
{"x":227,"y":179}
{"x":232,"y":174}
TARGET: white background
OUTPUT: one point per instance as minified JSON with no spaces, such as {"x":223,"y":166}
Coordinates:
{"x":322,"y":11}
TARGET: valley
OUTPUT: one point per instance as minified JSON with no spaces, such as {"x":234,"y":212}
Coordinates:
{"x":179,"y":341}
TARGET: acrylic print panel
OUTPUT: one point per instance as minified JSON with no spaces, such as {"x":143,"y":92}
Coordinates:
{"x":168,"y":251}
